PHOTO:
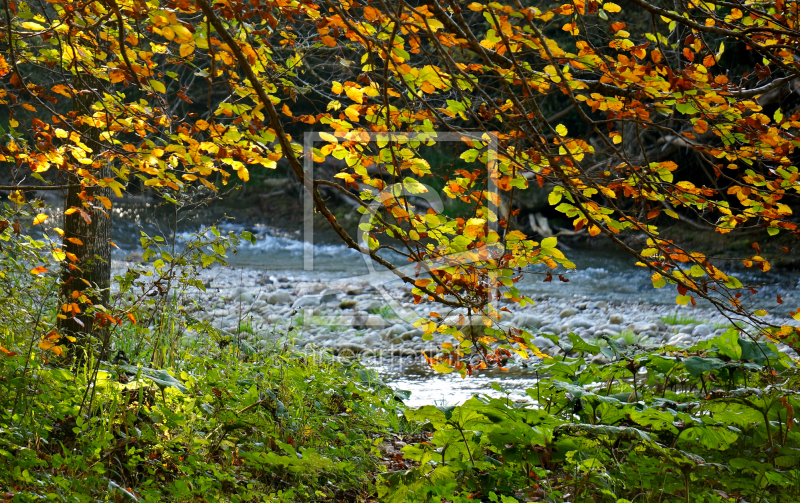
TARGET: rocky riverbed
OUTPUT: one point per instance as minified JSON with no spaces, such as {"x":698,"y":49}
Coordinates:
{"x":375,"y":318}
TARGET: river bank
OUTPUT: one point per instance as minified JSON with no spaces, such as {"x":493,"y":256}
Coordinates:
{"x":373,"y":320}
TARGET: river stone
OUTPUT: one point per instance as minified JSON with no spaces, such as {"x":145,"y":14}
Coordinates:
{"x":579,"y":323}
{"x":407,"y":336}
{"x":375,"y":322}
{"x":349,"y":349}
{"x":600,"y":360}
{"x":527,"y":320}
{"x":394,"y":330}
{"x":551,"y":329}
{"x":679,"y":339}
{"x":616,"y":319}
{"x":566,"y":313}
{"x":353,"y":290}
{"x":702,"y":330}
{"x":370,"y":305}
{"x":328,"y":295}
{"x":347,"y":304}
{"x":543,"y":343}
{"x":621,"y":342}
{"x":279,"y":297}
{"x":638,"y":328}
{"x":245,"y":297}
{"x":359,"y":320}
{"x":306,"y":301}
{"x":371,"y":340}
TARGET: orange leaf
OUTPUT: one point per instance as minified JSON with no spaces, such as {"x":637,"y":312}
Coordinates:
{"x":422,"y":282}
{"x":7,"y":352}
{"x":329,"y":41}
{"x":75,"y":241}
{"x":132,"y":318}
{"x":106,"y":201}
{"x":39,"y":270}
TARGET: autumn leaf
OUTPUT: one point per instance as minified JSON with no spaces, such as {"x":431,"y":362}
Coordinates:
{"x":39,"y":270}
{"x":41,"y":217}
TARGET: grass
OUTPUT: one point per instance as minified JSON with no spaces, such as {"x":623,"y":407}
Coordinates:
{"x":385,"y":312}
{"x":680,"y":319}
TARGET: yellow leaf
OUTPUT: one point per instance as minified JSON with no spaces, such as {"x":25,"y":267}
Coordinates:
{"x":561,"y":129}
{"x":334,"y":105}
{"x":41,"y":217}
{"x":682,"y":300}
{"x":337,"y":88}
{"x":475,"y":6}
{"x":243,"y":174}
{"x":33,"y":26}
{"x":186,"y":50}
{"x":285,"y":110}
{"x":670,"y":213}
{"x":355,"y":94}
{"x":611,"y":7}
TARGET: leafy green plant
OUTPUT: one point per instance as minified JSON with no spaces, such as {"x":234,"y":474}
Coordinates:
{"x":712,"y":423}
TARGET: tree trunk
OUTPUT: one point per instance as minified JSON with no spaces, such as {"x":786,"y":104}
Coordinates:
{"x":90,"y":274}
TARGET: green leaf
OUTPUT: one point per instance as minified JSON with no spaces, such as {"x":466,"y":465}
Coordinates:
{"x":550,"y":242}
{"x":470,"y":155}
{"x":158,"y":86}
{"x":697,"y":366}
{"x":686,"y":108}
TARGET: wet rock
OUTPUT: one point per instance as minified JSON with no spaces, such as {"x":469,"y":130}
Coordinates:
{"x":306,"y":301}
{"x":375,"y":322}
{"x":600,"y":360}
{"x":371,"y":340}
{"x":370,"y":305}
{"x":621,"y":342}
{"x":349,"y":349}
{"x":566,"y":313}
{"x":680,"y":338}
{"x":353,"y":290}
{"x":551,"y":329}
{"x":616,"y":319}
{"x":328,"y":295}
{"x":527,"y":320}
{"x":347,"y":304}
{"x":359,"y":320}
{"x":578,"y":323}
{"x":543,"y":343}
{"x":279,"y":297}
{"x":639,"y":328}
{"x":407,"y":336}
{"x":702,"y":330}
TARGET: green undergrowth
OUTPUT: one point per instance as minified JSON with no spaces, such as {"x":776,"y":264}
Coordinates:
{"x":282,"y":426}
{"x":711,"y":423}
